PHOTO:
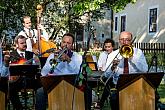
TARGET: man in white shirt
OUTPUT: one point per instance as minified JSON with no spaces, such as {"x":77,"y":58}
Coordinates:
{"x":68,"y":62}
{"x":136,"y":63}
{"x":107,"y":49}
{"x":115,"y":66}
{"x":32,"y":34}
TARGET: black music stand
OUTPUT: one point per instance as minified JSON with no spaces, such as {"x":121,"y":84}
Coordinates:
{"x":24,"y":71}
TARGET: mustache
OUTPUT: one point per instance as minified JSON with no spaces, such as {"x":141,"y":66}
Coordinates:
{"x":25,"y":46}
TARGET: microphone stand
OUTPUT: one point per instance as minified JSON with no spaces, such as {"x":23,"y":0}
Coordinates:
{"x":82,"y":71}
{"x":153,"y":63}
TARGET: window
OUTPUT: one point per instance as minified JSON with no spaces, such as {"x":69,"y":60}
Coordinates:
{"x":123,"y":23}
{"x":152,"y":20}
{"x":116,"y":24}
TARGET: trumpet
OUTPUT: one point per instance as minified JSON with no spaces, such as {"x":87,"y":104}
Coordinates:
{"x":56,"y":59}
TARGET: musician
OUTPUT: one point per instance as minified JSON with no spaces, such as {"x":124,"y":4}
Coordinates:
{"x":15,"y":56}
{"x":31,"y":34}
{"x":107,"y":49}
{"x":69,"y":63}
{"x":115,"y":64}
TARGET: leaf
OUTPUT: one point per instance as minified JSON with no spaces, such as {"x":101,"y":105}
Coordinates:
{"x":81,"y":76}
{"x":80,"y":82}
{"x":88,"y":70}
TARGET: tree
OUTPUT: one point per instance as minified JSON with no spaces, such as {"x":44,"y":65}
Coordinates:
{"x":58,"y":14}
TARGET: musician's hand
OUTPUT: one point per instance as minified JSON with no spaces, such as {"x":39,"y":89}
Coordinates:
{"x":114,"y":64}
{"x":41,"y":27}
{"x":36,"y":51}
{"x":65,"y":57}
{"x":6,"y":60}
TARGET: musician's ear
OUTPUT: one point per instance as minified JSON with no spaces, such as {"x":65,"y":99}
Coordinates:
{"x":16,"y":45}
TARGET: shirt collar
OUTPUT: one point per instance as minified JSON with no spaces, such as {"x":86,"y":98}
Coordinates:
{"x":20,"y":51}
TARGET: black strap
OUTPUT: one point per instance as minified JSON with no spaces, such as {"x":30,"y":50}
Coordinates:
{"x":27,"y":34}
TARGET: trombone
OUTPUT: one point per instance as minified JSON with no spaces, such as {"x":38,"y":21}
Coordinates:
{"x":126,"y":51}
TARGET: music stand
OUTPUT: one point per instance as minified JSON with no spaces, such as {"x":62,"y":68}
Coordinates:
{"x":137,"y":91}
{"x":62,"y":92}
{"x":153,"y":79}
{"x":49,"y":82}
{"x":25,"y":72}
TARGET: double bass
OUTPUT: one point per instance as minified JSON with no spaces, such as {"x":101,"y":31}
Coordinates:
{"x":42,"y":44}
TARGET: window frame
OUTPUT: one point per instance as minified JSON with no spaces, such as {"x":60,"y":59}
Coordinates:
{"x":116,"y":23}
{"x":121,"y":24}
{"x":149,"y":20}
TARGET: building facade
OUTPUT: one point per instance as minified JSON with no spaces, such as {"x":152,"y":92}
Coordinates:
{"x":145,"y":19}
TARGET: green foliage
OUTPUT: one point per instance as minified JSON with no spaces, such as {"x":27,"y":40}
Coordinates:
{"x":161,"y":91}
{"x":160,"y":58}
{"x":85,"y":70}
{"x":59,"y":14}
{"x":85,"y":6}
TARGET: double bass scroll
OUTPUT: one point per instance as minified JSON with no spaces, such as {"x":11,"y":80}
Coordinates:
{"x":42,"y":44}
{"x":39,"y":12}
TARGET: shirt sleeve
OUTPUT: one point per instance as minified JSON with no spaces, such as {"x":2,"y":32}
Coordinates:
{"x":75,"y":63}
{"x":138,"y":61}
{"x":46,"y":68}
{"x":4,"y":71}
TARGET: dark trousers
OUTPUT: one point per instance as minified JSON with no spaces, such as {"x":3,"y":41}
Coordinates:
{"x":41,"y":99}
{"x":14,"y":88}
{"x":18,"y":85}
{"x":88,"y":97}
{"x":106,"y":91}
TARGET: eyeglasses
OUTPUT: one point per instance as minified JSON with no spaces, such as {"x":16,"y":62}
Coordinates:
{"x":122,"y":39}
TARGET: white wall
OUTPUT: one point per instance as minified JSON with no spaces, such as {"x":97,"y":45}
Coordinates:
{"x":137,"y":20}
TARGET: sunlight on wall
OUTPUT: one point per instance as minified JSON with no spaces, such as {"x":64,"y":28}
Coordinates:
{"x":142,"y":37}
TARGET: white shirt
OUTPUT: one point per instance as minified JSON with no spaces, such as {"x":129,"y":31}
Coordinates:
{"x":63,"y":68}
{"x":136,"y":64}
{"x":34,"y":33}
{"x":4,"y":71}
{"x":102,"y":60}
{"x":19,"y":52}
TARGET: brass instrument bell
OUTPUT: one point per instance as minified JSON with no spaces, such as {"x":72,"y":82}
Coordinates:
{"x":126,"y":51}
